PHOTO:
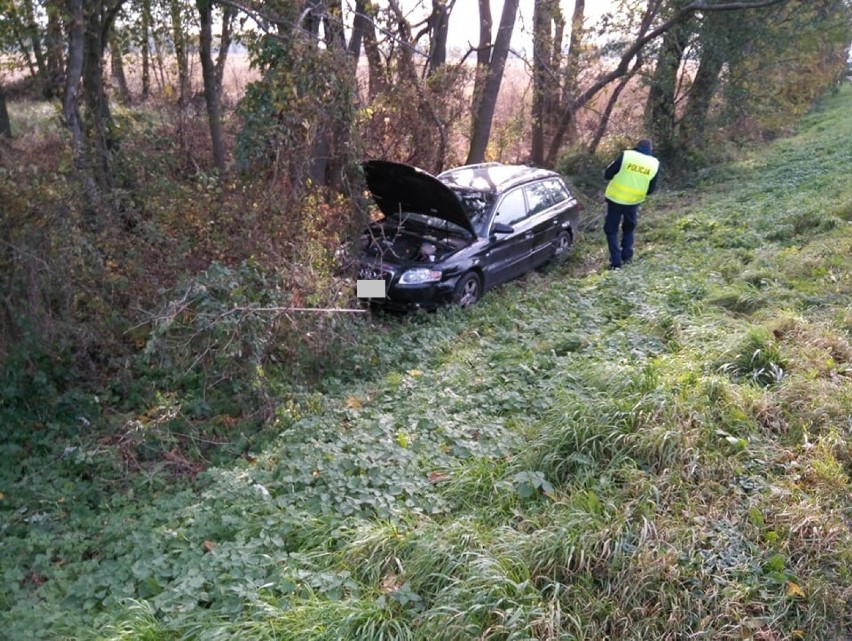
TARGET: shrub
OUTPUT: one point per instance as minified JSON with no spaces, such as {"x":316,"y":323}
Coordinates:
{"x":228,"y":325}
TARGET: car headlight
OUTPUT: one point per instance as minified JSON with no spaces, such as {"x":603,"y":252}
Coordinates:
{"x":419,"y":275}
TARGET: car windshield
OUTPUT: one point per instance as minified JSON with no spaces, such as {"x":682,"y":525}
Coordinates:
{"x":477,"y":205}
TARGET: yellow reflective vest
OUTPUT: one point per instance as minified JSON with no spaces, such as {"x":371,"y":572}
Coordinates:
{"x":630,"y":185}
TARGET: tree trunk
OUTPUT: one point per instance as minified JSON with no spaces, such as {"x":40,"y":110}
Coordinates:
{"x":332,"y":21}
{"x":211,"y":90}
{"x":439,"y":24}
{"x":358,"y":31}
{"x":570,"y":86}
{"x":146,"y":49}
{"x":97,"y":105}
{"x":483,"y":56}
{"x":425,"y":108}
{"x":117,"y":68}
{"x":320,"y":156}
{"x":554,"y":92}
{"x":694,"y":123}
{"x":73,"y":75}
{"x":341,"y":126}
{"x":71,"y":103}
{"x":179,"y":40}
{"x":158,"y":65}
{"x":331,"y":129}
{"x":378,"y":81}
{"x":224,"y":47}
{"x":34,"y":36}
{"x":484,"y":114}
{"x":311,"y":17}
{"x":22,"y":46}
{"x":5,"y":124}
{"x":660,"y":108}
{"x":320,"y":148}
{"x":54,"y":50}
{"x":544,"y":74}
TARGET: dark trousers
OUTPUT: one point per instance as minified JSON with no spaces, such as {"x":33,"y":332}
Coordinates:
{"x":625,"y":216}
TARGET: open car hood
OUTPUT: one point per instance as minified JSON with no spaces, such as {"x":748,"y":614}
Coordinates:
{"x":402,"y":188}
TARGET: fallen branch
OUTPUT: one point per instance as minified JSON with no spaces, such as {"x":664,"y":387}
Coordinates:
{"x":297,"y":309}
{"x":184,"y":303}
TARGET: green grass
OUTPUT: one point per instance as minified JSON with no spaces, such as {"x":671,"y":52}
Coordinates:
{"x":660,"y":452}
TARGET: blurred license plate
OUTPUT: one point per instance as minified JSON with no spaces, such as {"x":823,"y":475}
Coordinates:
{"x":370,"y":288}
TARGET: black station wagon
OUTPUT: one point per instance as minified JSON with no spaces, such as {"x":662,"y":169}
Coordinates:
{"x":449,"y":238}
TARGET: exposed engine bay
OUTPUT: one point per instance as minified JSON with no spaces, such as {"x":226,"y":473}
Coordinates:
{"x":405,"y":247}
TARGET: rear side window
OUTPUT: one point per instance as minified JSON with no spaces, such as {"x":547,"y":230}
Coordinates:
{"x":559,"y":192}
{"x":540,"y":197}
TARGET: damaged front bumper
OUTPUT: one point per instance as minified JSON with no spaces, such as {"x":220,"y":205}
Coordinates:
{"x":406,"y":297}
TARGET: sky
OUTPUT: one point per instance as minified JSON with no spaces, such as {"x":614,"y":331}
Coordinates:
{"x":464,"y":21}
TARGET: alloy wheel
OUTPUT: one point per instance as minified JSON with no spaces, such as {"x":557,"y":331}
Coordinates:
{"x":563,"y":246}
{"x":468,"y":290}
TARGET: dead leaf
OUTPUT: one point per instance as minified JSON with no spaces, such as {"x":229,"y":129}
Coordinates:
{"x":353,"y":402}
{"x":794,"y":589}
{"x":390,"y":582}
{"x":209,"y":545}
{"x":35,"y":579}
{"x":436,"y":477}
{"x":415,"y":373}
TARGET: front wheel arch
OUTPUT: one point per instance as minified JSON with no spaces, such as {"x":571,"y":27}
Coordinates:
{"x":468,"y":289}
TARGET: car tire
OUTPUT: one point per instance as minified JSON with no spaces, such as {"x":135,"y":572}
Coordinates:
{"x":562,"y":246}
{"x":468,"y":290}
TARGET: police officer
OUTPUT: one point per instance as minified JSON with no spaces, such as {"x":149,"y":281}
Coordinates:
{"x":632,"y":176}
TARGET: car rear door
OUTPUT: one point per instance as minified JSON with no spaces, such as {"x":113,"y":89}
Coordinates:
{"x":504,"y":258}
{"x":544,"y":219}
{"x":562,"y":213}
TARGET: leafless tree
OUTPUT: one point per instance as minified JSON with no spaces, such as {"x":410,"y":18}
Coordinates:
{"x":491,"y":63}
{"x":645,"y":34}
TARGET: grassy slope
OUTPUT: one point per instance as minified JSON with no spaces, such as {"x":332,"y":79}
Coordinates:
{"x":659,"y":452}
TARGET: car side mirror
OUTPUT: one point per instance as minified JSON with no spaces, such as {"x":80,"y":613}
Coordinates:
{"x":501,"y":228}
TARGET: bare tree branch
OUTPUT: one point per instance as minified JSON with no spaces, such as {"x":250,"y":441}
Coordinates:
{"x":731,"y":6}
{"x":632,"y":51}
{"x":264,"y":17}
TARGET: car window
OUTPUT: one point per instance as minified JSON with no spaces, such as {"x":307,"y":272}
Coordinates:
{"x":539,"y":197}
{"x":512,"y":208}
{"x":559,"y":191}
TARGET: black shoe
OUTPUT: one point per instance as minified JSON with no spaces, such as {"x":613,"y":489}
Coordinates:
{"x":611,"y":267}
